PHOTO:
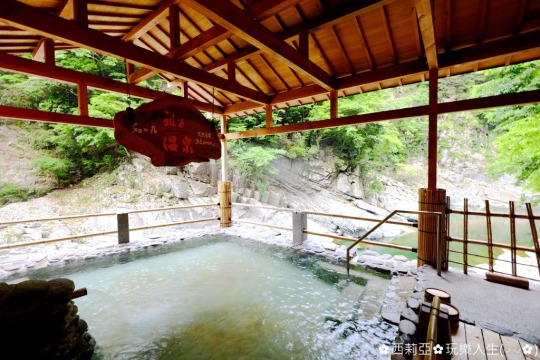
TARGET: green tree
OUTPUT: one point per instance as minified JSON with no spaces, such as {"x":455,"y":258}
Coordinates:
{"x":515,"y":130}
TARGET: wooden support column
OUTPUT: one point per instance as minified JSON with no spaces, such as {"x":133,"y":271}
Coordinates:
{"x":303,"y":43}
{"x":231,"y":71}
{"x":432,"y":132}
{"x":174,"y":23}
{"x":80,"y":12}
{"x":333,"y":105}
{"x":49,"y":51}
{"x":224,"y":192}
{"x":432,"y":199}
{"x":224,"y":159}
{"x":268,"y":109}
{"x":82,"y":96}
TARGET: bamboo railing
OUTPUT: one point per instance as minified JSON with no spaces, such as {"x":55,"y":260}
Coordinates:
{"x":490,"y":242}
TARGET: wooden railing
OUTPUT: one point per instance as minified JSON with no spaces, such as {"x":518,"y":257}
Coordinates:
{"x":491,"y":241}
{"x":122,"y":231}
{"x":300,"y":227}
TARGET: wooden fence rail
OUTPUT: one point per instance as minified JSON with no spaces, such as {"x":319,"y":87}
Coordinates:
{"x":490,"y":242}
{"x":122,"y":231}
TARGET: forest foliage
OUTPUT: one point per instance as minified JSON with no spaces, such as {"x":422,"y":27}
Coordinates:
{"x":511,"y":134}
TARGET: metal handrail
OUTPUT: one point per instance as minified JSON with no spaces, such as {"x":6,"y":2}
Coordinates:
{"x":381,"y":222}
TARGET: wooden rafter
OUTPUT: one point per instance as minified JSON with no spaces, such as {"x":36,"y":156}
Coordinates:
{"x":358,"y":26}
{"x":34,"y":20}
{"x":66,"y":12}
{"x":482,"y":21}
{"x":202,"y":41}
{"x":339,"y":45}
{"x":388,"y":34}
{"x":30,"y":67}
{"x":343,"y":13}
{"x":150,"y":21}
{"x":238,"y":22}
{"x":425,"y":19}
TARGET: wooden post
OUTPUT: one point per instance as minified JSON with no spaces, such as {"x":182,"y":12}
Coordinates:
{"x":435,"y":201}
{"x":224,"y":192}
{"x":224,"y":159}
{"x":268,"y":109}
{"x":333,"y":105}
{"x":465,"y":234}
{"x":82,"y":96}
{"x":489,"y":236}
{"x":174,"y":21}
{"x":534,"y":234}
{"x":122,"y":221}
{"x":49,"y":51}
{"x":513,"y":249}
{"x":80,"y":12}
{"x":432,"y":132}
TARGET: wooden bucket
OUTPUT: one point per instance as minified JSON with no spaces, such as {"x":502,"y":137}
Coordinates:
{"x":429,"y":293}
{"x":453,"y":314}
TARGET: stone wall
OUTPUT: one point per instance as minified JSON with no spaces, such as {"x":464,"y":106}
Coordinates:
{"x":38,"y":320}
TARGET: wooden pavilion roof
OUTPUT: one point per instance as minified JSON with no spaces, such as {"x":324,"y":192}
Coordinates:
{"x":240,"y":57}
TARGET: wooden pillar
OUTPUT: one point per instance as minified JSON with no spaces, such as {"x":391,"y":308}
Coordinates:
{"x":303,"y":43}
{"x":333,"y":105}
{"x":268,"y":116}
{"x":225,"y":213}
{"x":49,"y":51}
{"x":82,"y":96}
{"x":80,"y":12}
{"x":231,"y":71}
{"x":224,"y":159}
{"x":432,"y":132}
{"x":433,"y":201}
{"x":174,"y":24}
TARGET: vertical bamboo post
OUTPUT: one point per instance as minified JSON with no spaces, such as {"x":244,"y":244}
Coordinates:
{"x":513,"y":250}
{"x":434,"y":201}
{"x":489,"y":236}
{"x":534,"y":233}
{"x":224,"y":193}
{"x":465,"y":234}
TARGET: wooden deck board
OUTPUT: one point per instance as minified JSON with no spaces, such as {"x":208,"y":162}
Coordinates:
{"x":459,"y":341}
{"x":535,"y":354}
{"x":493,"y":344}
{"x":512,"y":348}
{"x":475,"y":342}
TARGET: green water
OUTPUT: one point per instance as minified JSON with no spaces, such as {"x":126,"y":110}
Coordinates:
{"x":229,"y":300}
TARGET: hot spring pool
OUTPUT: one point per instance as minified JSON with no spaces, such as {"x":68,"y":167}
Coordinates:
{"x":226,"y":298}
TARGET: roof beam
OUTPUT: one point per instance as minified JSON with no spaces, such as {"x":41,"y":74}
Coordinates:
{"x":29,"y":18}
{"x":30,"y":67}
{"x":9,"y":112}
{"x":522,"y":98}
{"x":238,"y":22}
{"x":425,"y":20}
{"x":199,"y":43}
{"x":66,"y":12}
{"x":344,"y":12}
{"x":154,"y":18}
{"x":491,"y":49}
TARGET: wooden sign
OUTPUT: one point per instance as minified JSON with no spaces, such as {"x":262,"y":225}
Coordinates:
{"x":169,"y":132}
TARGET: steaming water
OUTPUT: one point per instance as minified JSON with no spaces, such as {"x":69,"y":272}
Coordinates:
{"x":225,"y":300}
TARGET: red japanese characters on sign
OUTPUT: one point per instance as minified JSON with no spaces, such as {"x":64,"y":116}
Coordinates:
{"x":169,"y":132}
